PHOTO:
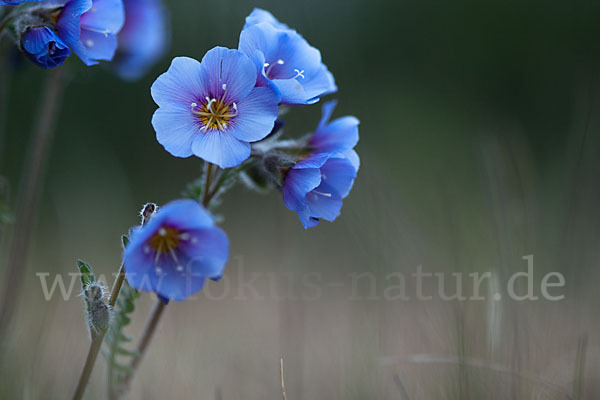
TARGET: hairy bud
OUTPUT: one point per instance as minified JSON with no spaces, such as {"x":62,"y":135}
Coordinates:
{"x":98,"y":311}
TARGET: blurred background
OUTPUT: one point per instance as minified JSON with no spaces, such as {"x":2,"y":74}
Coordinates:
{"x":480,"y":144}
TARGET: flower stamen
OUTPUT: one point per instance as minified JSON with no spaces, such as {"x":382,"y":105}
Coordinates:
{"x":215,"y":114}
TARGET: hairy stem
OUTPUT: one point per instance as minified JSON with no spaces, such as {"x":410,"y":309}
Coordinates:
{"x":97,"y":339}
{"x":29,"y":193}
{"x":160,"y":306}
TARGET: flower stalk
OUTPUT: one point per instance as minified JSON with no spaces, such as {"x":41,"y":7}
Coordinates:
{"x":97,"y":339}
{"x":30,"y":191}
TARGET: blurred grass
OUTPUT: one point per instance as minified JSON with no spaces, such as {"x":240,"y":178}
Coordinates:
{"x":479,"y":145}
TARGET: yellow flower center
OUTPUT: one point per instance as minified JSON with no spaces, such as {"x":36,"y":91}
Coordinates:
{"x":215,"y":113}
{"x":165,"y":240}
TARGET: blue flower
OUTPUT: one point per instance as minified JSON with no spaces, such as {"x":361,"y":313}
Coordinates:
{"x":42,"y":46}
{"x":339,"y":136}
{"x":176,"y":251}
{"x":143,"y":39}
{"x":315,"y":186}
{"x":285,"y":60}
{"x":90,"y":28}
{"x":259,"y":15}
{"x":14,"y":2}
{"x":212,"y":109}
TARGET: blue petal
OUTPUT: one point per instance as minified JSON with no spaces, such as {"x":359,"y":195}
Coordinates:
{"x":337,"y":177}
{"x":14,"y":2}
{"x":297,"y":183}
{"x":256,"y":115}
{"x":337,"y":136}
{"x":220,"y":148}
{"x":324,"y":207}
{"x":176,"y":129}
{"x":44,"y":47}
{"x":68,"y":26}
{"x":184,"y":214}
{"x":105,"y":17}
{"x":352,"y":156}
{"x":259,"y":15}
{"x":314,"y":161}
{"x":180,"y":85}
{"x":143,"y":39}
{"x":306,"y":219}
{"x":208,"y":251}
{"x":98,"y":46}
{"x":293,"y":65}
{"x":221,"y":66}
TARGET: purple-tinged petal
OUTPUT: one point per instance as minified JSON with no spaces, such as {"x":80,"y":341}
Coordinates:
{"x":256,"y":115}
{"x":98,"y":46}
{"x":221,"y":66}
{"x":297,"y":183}
{"x":106,"y":17}
{"x":180,"y":85}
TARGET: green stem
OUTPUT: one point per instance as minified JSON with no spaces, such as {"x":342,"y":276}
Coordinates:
{"x":159,"y":306}
{"x":207,"y":183}
{"x":30,"y":191}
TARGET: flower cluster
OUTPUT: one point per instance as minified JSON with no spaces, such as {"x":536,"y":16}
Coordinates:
{"x":48,"y":31}
{"x":224,"y":110}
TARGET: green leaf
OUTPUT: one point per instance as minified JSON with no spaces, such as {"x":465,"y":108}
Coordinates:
{"x":87,"y":275}
{"x":124,"y":240}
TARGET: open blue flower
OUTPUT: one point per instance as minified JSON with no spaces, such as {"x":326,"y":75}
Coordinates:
{"x":42,"y":46}
{"x":90,"y":28}
{"x":176,"y":251}
{"x":315,"y":186}
{"x":212,"y":109}
{"x":285,"y":60}
{"x":143,"y":39}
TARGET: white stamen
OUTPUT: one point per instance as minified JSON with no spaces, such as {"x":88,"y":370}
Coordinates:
{"x":280,"y":62}
{"x":184,"y":236}
{"x":162,"y":231}
{"x":265,"y":65}
{"x":158,"y":270}
{"x":224,"y":86}
{"x":179,"y":268}
{"x":194,"y":105}
{"x":324,"y":176}
{"x":89,"y":43}
{"x":322,"y":194}
{"x":299,"y":73}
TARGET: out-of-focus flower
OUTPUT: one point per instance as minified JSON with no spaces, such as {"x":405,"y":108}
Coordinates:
{"x":143,"y":39}
{"x":42,"y":46}
{"x":14,"y":2}
{"x":212,"y":109}
{"x":176,"y":251}
{"x":285,"y":60}
{"x":90,"y":28}
{"x":315,"y":186}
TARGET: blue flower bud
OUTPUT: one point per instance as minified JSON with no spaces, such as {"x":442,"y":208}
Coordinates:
{"x":43,"y":46}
